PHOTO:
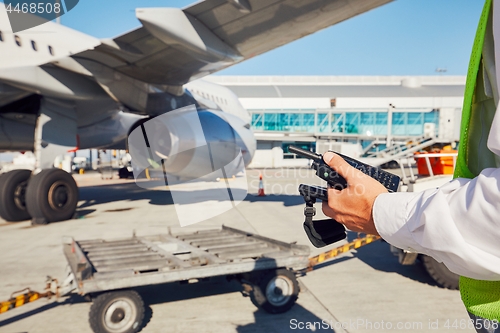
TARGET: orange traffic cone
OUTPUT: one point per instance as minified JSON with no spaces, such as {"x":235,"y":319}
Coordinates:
{"x":261,"y":187}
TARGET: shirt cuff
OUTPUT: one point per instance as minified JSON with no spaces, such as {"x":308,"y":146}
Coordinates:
{"x":390,"y":215}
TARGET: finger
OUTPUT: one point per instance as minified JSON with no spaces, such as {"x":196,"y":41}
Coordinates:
{"x":338,"y":164}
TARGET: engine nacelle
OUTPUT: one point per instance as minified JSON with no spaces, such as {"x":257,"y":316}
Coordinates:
{"x":192,"y":144}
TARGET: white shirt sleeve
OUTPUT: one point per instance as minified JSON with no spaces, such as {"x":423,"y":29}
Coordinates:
{"x":457,"y":224}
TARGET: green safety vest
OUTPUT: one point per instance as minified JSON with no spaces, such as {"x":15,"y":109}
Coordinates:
{"x":481,"y":298}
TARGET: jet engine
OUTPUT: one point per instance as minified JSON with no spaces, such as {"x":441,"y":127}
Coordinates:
{"x":192,"y":144}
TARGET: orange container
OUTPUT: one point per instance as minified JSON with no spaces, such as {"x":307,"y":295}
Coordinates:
{"x":440,"y":165}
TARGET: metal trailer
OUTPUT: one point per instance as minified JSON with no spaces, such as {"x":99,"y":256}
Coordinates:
{"x":107,"y":271}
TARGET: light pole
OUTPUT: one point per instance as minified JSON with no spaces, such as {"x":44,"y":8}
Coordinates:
{"x":389,"y":125}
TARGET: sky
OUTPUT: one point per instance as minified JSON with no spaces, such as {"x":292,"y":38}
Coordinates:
{"x":405,"y":37}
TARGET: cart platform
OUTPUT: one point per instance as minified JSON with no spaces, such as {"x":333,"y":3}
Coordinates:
{"x":104,"y":265}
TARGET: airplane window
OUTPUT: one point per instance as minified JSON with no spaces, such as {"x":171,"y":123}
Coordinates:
{"x":1,"y":37}
{"x":33,"y":45}
{"x":51,"y":50}
{"x":18,"y":40}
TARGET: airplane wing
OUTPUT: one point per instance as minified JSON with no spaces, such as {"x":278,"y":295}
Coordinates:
{"x":175,"y":46}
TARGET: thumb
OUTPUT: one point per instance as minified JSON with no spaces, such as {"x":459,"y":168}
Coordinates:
{"x":338,"y":164}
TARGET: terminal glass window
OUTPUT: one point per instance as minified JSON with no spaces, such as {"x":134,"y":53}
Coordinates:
{"x":270,"y":121}
{"x":432,"y":117}
{"x":380,"y":127}
{"x":257,"y":121}
{"x":415,"y":123}
{"x":399,"y":121}
{"x":351,"y":124}
{"x":369,"y":122}
{"x":323,"y":124}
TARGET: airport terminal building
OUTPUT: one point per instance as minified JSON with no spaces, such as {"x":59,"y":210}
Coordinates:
{"x":346,"y":113}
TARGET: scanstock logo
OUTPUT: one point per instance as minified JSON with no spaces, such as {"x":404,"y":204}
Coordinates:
{"x":25,"y":14}
{"x":189,"y":154}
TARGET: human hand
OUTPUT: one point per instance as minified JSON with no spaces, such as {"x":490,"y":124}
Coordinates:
{"x":353,"y":205}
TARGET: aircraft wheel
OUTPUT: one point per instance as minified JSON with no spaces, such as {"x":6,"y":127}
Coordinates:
{"x":13,"y":194}
{"x":51,"y":196}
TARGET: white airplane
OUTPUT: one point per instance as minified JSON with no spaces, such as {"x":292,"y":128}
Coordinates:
{"x":61,"y":89}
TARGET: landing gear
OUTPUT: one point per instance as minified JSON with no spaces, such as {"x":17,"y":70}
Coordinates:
{"x":13,"y":186}
{"x":51,"y":196}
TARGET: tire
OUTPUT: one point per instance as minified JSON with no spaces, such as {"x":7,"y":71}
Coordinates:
{"x":440,"y":273}
{"x":390,"y":165}
{"x":51,"y":196}
{"x":13,"y":186}
{"x":123,"y":173}
{"x":117,"y":312}
{"x":393,"y":165}
{"x":276,"y":291}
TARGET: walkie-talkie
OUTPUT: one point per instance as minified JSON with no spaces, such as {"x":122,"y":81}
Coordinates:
{"x":323,"y":170}
{"x":324,"y":232}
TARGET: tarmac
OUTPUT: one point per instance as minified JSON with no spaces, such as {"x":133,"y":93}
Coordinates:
{"x":366,"y":290}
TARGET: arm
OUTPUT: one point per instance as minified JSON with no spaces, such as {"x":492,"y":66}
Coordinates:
{"x":457,"y":224}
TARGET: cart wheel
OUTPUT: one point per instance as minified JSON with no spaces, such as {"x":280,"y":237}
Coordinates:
{"x":117,"y":312}
{"x":276,"y":291}
{"x":440,"y":273}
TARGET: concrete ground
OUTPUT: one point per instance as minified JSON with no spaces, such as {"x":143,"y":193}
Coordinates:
{"x":362,"y":291}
